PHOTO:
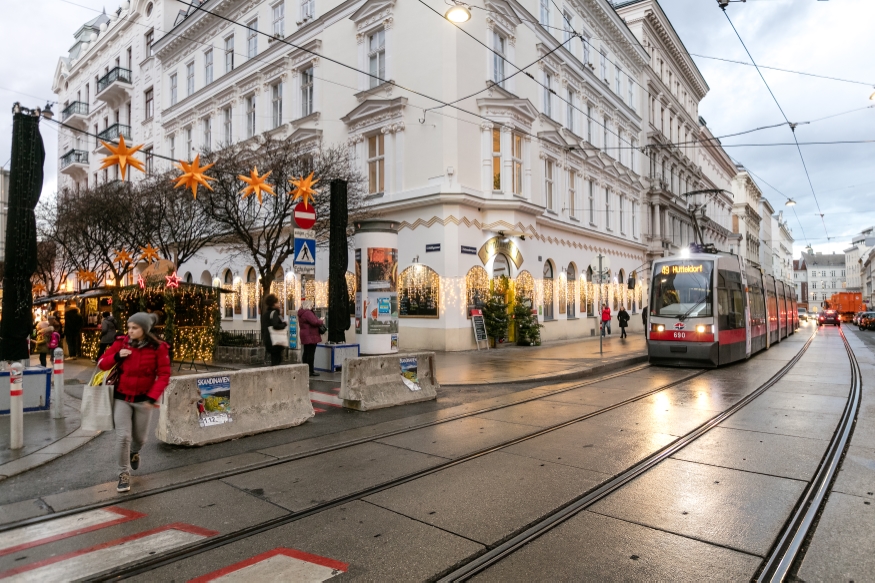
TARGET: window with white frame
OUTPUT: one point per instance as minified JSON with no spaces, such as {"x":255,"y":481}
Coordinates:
{"x":250,"y":116}
{"x":377,"y":57}
{"x":496,"y":159}
{"x":517,"y":140}
{"x":618,"y":74}
{"x":589,"y":123}
{"x":150,"y":160}
{"x":306,"y":91}
{"x":279,"y":20}
{"x":149,"y":103}
{"x":633,"y":154}
{"x":252,"y":38}
{"x":150,"y":40}
{"x":308,"y":10}
{"x":569,"y":114}
{"x":276,"y":103}
{"x":376,"y":163}
{"x":173,"y":89}
{"x":567,"y":28}
{"x":548,"y":184}
{"x":635,"y":219}
{"x":630,"y":87}
{"x":548,"y":89}
{"x":499,"y":45}
{"x":172,"y":143}
{"x":227,"y":119}
{"x":607,"y":208}
{"x":208,"y":67}
{"x":603,"y":65}
{"x":621,"y":153}
{"x":591,"y":197}
{"x":229,"y":54}
{"x":585,"y":42}
{"x":572,"y":194}
{"x":189,"y":79}
{"x":605,"y":135}
{"x":208,"y":133}
{"x":189,"y":146}
{"x":622,"y":214}
{"x":545,"y":12}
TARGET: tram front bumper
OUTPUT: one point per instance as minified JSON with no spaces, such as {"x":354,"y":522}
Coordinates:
{"x":671,"y":353}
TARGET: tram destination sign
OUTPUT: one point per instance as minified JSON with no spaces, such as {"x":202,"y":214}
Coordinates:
{"x":678,"y":269}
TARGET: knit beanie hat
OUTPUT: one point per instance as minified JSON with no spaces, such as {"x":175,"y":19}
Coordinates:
{"x":144,"y":320}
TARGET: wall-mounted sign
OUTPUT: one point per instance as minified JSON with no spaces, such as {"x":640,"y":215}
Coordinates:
{"x":503,"y":245}
{"x":466,"y":250}
{"x":432,"y":248}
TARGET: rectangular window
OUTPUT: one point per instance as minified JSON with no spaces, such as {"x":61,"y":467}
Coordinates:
{"x":622,"y":215}
{"x":250,"y":116}
{"x":306,"y":92}
{"x":589,"y":123}
{"x":635,"y":219}
{"x":150,"y":160}
{"x":173,"y":90}
{"x":276,"y":100}
{"x":572,"y":194}
{"x":377,"y":57}
{"x":545,"y":12}
{"x":129,"y":58}
{"x":605,"y":135}
{"x":376,"y":164}
{"x":603,"y":66}
{"x":496,"y":159}
{"x":548,"y":89}
{"x":499,"y":45}
{"x":208,"y":133}
{"x":607,"y":209}
{"x":252,"y":39}
{"x":591,"y":197}
{"x":633,"y":154}
{"x":308,"y":10}
{"x":229,"y":54}
{"x":585,"y":41}
{"x":208,"y":67}
{"x":517,"y":164}
{"x":548,"y":184}
{"x":630,"y":86}
{"x":150,"y":40}
{"x":569,"y":114}
{"x":188,"y":143}
{"x":227,"y":118}
{"x":567,"y":28}
{"x":189,"y":79}
{"x":149,"y":103}
{"x":618,"y":74}
{"x":279,"y":20}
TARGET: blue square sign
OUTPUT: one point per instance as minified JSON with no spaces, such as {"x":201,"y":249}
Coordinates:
{"x":305,"y":251}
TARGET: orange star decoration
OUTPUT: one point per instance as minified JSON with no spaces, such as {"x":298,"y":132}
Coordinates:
{"x":122,"y":156}
{"x":193,"y":174}
{"x":39,"y":288}
{"x":123,"y":257}
{"x":87,"y":276}
{"x":257,"y":184}
{"x":150,"y":254}
{"x":304,"y":188}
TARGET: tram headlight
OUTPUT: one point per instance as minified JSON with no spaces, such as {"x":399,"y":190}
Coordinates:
{"x":700,"y":329}
{"x":660,"y":328}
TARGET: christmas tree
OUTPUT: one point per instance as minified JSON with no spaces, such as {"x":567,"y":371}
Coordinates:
{"x":495,"y":317}
{"x":528,"y":330}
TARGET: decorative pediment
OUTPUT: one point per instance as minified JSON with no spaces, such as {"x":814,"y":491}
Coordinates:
{"x":371,"y":12}
{"x":306,"y":52}
{"x":519,"y":111}
{"x":304,"y":135}
{"x":553,"y":137}
{"x":373,"y":112}
{"x":503,"y":13}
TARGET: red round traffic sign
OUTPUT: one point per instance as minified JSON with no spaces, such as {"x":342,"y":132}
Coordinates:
{"x":305,"y":216}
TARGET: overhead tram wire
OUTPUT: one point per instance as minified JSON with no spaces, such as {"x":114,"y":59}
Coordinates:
{"x":796,"y":214}
{"x":792,"y":126}
{"x":783,"y":70}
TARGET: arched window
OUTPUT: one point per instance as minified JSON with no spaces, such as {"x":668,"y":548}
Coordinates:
{"x":525,"y":286}
{"x":571,"y":293}
{"x":548,"y":290}
{"x":187,"y":278}
{"x":278,"y":287}
{"x":476,"y":288}
{"x":252,"y":294}
{"x":206,"y":278}
{"x":590,"y":292}
{"x":500,"y":266}
{"x":419,"y":296}
{"x":229,"y":298}
{"x":622,"y":288}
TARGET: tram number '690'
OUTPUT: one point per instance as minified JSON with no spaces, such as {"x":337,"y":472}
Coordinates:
{"x":680,"y":335}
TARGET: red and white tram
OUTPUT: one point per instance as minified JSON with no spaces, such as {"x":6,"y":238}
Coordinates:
{"x":712,"y":309}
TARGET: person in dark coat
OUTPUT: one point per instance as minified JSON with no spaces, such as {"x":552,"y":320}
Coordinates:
{"x":623,"y":319}
{"x":271,"y":319}
{"x":108,"y":332}
{"x":74,"y":332}
{"x":310,"y":335}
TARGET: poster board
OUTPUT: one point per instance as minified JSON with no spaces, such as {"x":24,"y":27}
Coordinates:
{"x":478,"y":322}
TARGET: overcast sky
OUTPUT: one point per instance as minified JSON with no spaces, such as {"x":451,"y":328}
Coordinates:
{"x":832,"y":37}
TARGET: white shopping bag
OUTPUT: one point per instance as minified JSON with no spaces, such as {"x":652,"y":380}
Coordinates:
{"x":96,"y":409}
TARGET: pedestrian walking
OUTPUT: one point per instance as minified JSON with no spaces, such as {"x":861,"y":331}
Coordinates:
{"x":644,"y":320}
{"x":272,"y":322}
{"x":58,"y":324}
{"x":606,"y":319}
{"x":142,"y":364}
{"x":311,"y":333}
{"x":108,"y":332}
{"x":74,"y":332}
{"x":623,"y":320}
{"x":44,"y":333}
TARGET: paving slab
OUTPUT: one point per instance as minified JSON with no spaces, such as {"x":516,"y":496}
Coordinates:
{"x":592,"y":547}
{"x":843,"y":546}
{"x":460,"y":437}
{"x":599,"y":396}
{"x":307,"y":482}
{"x":756,"y":417}
{"x":660,"y":417}
{"x":378,"y":545}
{"x":488,"y":498}
{"x":764,"y":453}
{"x":735,"y":509}
{"x":802,"y":402}
{"x":864,"y":432}
{"x":857,"y":473}
{"x":539,"y":413}
{"x":811,"y":387}
{"x":700,"y":396}
{"x":23,"y":510}
{"x":795,"y":377}
{"x":586,"y":445}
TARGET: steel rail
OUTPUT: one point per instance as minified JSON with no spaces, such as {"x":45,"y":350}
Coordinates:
{"x":492,"y":556}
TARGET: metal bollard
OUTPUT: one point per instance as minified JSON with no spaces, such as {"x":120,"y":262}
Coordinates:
{"x":16,"y":406}
{"x":58,"y":385}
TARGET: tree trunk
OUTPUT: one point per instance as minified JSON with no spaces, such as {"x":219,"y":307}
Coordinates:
{"x":338,"y":259}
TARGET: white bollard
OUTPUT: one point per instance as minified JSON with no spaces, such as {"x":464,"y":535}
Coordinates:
{"x":58,"y":385}
{"x":16,"y":406}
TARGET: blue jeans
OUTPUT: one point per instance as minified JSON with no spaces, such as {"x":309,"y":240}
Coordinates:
{"x":606,"y":324}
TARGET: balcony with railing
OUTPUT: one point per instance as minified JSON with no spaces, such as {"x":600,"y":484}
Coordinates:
{"x":115,"y":86}
{"x":74,"y":162}
{"x":75,"y":113}
{"x":112,"y":133}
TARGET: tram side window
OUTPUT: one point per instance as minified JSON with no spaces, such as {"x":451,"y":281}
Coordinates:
{"x":730,"y":300}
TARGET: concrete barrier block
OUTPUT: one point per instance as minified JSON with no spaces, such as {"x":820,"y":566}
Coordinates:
{"x":211,"y":407}
{"x":375,"y":382}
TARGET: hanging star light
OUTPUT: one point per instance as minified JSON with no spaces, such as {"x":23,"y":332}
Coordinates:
{"x":257,"y":184}
{"x":172,"y":280}
{"x":122,"y":156}
{"x":39,"y":288}
{"x":140,"y":281}
{"x":304,"y":188}
{"x":87,"y":276}
{"x":149,"y":254}
{"x":123,"y":257}
{"x":193,"y":175}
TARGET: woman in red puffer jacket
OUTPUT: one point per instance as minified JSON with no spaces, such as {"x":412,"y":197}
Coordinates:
{"x":143,"y":363}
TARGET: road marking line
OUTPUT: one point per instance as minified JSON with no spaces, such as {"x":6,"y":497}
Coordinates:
{"x":27,"y":537}
{"x":318,"y":410}
{"x":111,"y":555}
{"x":278,"y":565}
{"x":326,"y":399}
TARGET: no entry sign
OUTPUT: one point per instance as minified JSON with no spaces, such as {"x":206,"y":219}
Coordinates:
{"x":305,"y":216}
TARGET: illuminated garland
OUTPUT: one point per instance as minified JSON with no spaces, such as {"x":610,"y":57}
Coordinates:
{"x":421,"y":284}
{"x":477,"y":286}
{"x":525,"y":285}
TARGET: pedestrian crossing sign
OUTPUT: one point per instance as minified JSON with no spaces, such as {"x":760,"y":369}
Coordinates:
{"x":305,"y":250}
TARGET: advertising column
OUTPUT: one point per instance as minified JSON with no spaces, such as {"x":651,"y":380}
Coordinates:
{"x":376,"y":299}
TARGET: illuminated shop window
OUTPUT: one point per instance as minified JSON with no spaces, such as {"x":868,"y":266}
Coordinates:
{"x":420,"y":292}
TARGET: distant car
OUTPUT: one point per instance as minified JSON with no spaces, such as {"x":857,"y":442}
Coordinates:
{"x":866,"y":321}
{"x":803,"y":314}
{"x":829,"y":317}
{"x":856,"y":318}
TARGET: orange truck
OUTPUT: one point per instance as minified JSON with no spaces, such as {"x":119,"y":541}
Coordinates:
{"x":846,"y":304}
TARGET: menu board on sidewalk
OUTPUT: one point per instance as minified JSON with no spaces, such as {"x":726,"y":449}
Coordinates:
{"x":479,"y":324}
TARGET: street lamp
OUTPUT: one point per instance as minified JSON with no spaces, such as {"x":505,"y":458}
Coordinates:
{"x":458,"y":13}
{"x":790,"y":202}
{"x":872,"y":97}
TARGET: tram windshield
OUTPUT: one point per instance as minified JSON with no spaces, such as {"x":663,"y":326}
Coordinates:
{"x":682,"y":289}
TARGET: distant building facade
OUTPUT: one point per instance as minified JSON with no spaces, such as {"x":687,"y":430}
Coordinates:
{"x":827,"y":275}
